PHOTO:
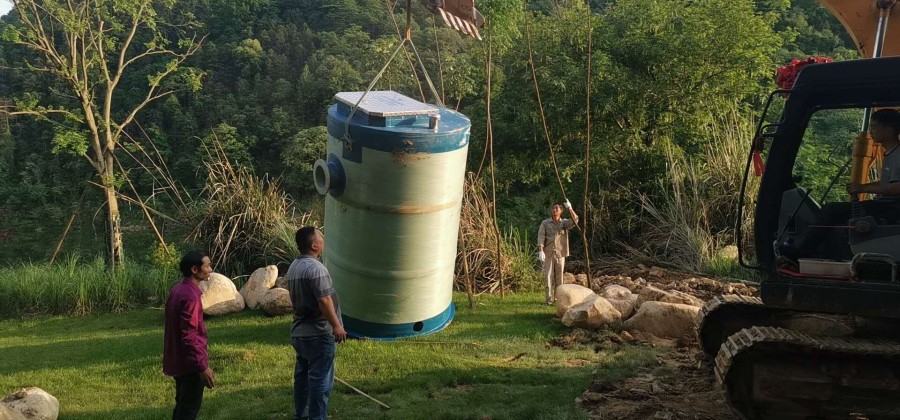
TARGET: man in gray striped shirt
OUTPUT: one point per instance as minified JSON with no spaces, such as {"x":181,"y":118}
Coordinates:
{"x":316,"y":328}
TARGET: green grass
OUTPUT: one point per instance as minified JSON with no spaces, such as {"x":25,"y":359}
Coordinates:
{"x":80,"y":287}
{"x":108,"y":366}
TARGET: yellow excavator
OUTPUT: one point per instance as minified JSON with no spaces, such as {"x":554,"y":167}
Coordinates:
{"x":823,"y":339}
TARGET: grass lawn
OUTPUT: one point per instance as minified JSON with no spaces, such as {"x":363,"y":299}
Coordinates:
{"x":108,"y":366}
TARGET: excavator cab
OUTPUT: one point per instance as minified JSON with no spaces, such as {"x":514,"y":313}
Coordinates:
{"x":812,"y":146}
{"x":823,"y":339}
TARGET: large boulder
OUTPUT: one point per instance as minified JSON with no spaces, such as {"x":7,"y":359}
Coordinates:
{"x":7,"y":413}
{"x":614,"y":291}
{"x":593,"y":313}
{"x":277,"y":301}
{"x":667,"y":320}
{"x":33,"y":404}
{"x":651,"y":293}
{"x":259,"y":284}
{"x":569,"y":295}
{"x":626,"y":305}
{"x":220,"y":296}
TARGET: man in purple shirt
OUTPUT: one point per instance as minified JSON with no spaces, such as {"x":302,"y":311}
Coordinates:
{"x":184,"y":344}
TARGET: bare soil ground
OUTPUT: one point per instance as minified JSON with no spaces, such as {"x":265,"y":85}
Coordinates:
{"x":683,"y":386}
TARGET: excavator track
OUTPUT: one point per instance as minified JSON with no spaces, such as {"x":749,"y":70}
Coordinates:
{"x":725,"y":315}
{"x":775,"y":373}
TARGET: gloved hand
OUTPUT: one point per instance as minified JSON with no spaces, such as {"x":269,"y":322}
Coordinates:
{"x":542,"y":256}
{"x":567,"y":204}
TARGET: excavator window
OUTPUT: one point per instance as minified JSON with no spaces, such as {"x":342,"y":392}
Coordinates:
{"x":822,"y":167}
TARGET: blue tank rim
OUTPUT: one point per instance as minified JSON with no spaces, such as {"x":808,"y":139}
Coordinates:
{"x":358,"y":328}
{"x":452,"y":133}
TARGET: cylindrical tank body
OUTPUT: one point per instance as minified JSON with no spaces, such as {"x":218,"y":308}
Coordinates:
{"x":393,"y":180}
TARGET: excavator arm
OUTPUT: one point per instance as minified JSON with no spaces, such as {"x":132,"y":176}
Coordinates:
{"x":869,"y":24}
{"x":861,"y":19}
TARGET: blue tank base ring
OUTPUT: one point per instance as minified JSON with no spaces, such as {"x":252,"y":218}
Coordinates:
{"x":358,"y":328}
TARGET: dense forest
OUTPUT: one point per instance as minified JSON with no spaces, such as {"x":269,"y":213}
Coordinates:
{"x":674,"y":88}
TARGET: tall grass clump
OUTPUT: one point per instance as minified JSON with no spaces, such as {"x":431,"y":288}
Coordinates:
{"x":81,"y":287}
{"x":243,"y":220}
{"x":477,"y":250}
{"x":689,"y":224}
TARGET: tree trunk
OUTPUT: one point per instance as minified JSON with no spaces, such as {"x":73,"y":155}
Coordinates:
{"x":116,"y":256}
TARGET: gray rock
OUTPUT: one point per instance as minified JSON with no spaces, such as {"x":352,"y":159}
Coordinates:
{"x":593,"y":313}
{"x":220,"y":296}
{"x":667,"y":320}
{"x":259,"y":284}
{"x":569,"y":295}
{"x":281,"y":283}
{"x":277,"y":301}
{"x":614,"y":291}
{"x":651,"y":293}
{"x":626,"y":306}
{"x":33,"y":404}
{"x":7,"y":413}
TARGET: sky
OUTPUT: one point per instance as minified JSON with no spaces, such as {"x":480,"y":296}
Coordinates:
{"x":5,"y":5}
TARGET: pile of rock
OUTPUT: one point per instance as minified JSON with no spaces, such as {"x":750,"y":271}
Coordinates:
{"x":29,"y":404}
{"x":264,"y":290}
{"x":632,"y":304}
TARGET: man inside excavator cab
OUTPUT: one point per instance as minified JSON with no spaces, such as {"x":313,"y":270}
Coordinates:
{"x":885,"y":131}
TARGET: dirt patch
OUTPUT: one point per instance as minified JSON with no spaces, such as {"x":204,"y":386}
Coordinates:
{"x":683,"y":389}
{"x":683,"y":385}
{"x":635,"y":279}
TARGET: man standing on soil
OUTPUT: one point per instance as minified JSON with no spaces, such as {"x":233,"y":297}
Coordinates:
{"x":316,"y":328}
{"x":185,"y":357}
{"x":553,"y":247}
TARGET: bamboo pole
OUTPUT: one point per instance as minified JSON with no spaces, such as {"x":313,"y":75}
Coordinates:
{"x":385,"y":406}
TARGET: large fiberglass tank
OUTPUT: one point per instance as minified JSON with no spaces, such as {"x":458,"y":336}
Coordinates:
{"x":393,"y":179}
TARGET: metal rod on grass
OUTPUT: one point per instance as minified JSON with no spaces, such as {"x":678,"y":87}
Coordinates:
{"x":386,"y":407}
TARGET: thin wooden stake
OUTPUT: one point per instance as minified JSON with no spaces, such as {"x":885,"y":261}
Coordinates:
{"x":465,"y":257}
{"x":490,"y":130}
{"x":386,"y":407}
{"x":587,"y":151}
{"x":63,"y":238}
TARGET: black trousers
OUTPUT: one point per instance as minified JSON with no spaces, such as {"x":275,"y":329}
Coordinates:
{"x":188,"y":396}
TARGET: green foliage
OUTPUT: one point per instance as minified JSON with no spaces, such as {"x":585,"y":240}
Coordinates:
{"x":663,"y":72}
{"x":688,"y":223}
{"x":165,"y":257}
{"x":69,"y":141}
{"x":79,"y":287}
{"x":242,"y":220}
{"x":300,"y":155}
{"x":232,"y":145}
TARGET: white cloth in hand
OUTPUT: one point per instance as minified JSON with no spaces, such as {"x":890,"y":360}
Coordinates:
{"x":542,"y":256}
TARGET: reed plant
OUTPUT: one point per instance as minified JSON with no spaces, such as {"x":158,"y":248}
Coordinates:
{"x":79,"y":286}
{"x":244,"y":221}
{"x":478,"y":246}
{"x":690,"y":221}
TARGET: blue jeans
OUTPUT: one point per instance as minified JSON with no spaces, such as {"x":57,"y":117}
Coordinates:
{"x":313,"y":375}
